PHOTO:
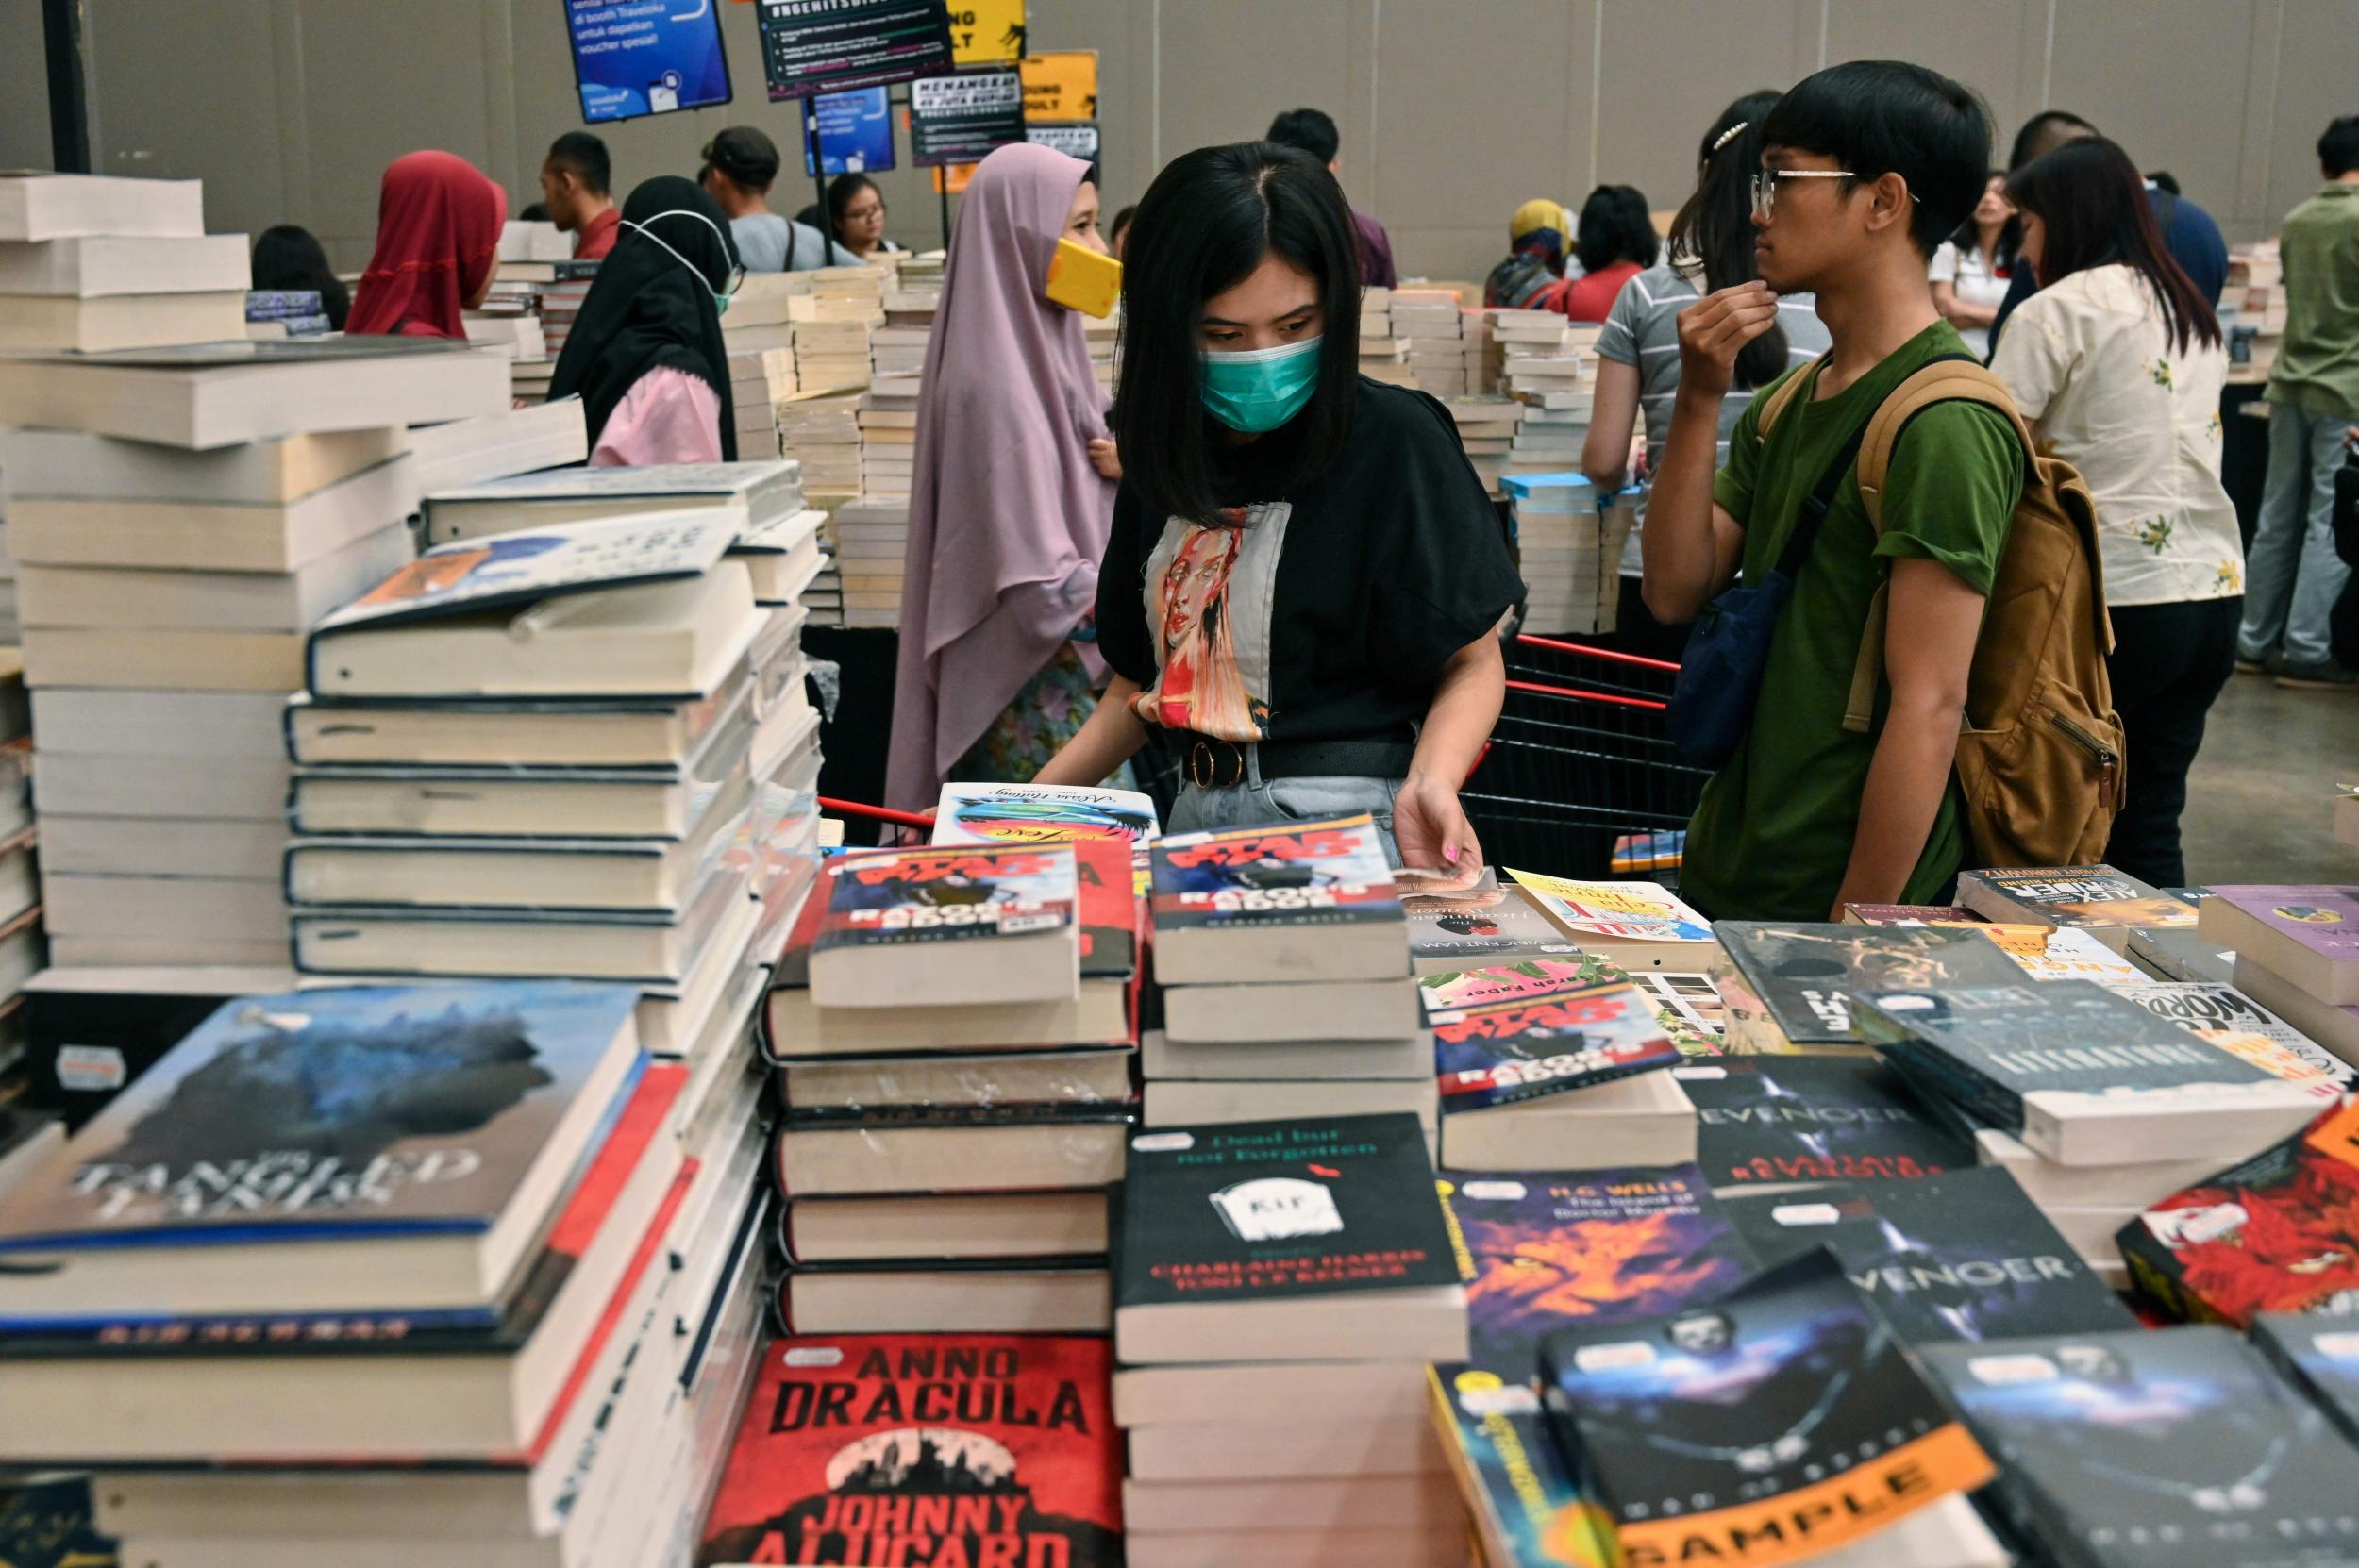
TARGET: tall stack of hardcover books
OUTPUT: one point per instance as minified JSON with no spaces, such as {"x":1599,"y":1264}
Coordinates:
{"x":92,"y":263}
{"x":1283,"y":953}
{"x":954,"y":1028}
{"x":403,"y":1252}
{"x":181,"y":517}
{"x":1280,"y":1286}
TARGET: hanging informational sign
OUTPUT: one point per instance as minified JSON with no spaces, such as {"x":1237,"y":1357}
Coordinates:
{"x":632,"y":58}
{"x":855,"y":133}
{"x":953,"y":180}
{"x":823,"y":46}
{"x":1074,"y":140}
{"x":1061,"y":86}
{"x":986,"y":32}
{"x":958,"y":118}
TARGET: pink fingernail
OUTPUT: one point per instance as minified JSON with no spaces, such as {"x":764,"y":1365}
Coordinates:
{"x":1449,"y":853}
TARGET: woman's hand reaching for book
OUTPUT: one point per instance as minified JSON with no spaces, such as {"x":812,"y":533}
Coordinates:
{"x":1432,"y":829}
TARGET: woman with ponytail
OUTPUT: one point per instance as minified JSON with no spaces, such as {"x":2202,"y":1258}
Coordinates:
{"x":1638,"y":364}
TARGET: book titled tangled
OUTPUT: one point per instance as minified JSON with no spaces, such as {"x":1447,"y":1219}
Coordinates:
{"x":924,"y":1448}
{"x":1569,"y":1038}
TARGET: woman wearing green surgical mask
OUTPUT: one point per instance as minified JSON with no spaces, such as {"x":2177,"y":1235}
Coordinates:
{"x":1305,"y":578}
{"x":646,"y":354}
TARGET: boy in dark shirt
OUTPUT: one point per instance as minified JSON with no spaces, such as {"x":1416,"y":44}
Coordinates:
{"x":1865,"y":167}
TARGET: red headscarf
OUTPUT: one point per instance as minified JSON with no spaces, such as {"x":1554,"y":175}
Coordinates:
{"x":438,"y":234}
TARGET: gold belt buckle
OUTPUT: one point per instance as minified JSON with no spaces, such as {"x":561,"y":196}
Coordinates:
{"x":1204,"y":765}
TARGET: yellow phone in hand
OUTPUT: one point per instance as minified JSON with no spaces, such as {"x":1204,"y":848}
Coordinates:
{"x":1082,"y":279}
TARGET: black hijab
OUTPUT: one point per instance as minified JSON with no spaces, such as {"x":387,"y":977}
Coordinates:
{"x":646,"y":308}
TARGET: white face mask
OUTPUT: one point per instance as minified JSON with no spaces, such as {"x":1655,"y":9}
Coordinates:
{"x":720,"y":300}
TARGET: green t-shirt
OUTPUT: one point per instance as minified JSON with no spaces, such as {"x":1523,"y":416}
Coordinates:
{"x":1772,"y":837}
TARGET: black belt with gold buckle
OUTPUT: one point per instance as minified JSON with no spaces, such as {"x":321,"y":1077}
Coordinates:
{"x":1217,"y":764}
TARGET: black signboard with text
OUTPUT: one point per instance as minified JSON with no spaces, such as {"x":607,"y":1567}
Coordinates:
{"x":819,"y":46}
{"x":959,"y":118}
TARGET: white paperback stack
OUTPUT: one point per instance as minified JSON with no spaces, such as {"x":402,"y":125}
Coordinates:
{"x":1382,"y":356}
{"x":93,"y":263}
{"x":534,"y":754}
{"x":1557,"y":388}
{"x":871,"y":543}
{"x":832,"y":324}
{"x":1486,"y":428}
{"x":898,"y":350}
{"x":820,"y":430}
{"x":1571,"y":554}
{"x":521,"y":440}
{"x":1283,"y":953}
{"x":181,"y":517}
{"x":1431,"y":321}
{"x":759,"y":382}
{"x":888,"y":430}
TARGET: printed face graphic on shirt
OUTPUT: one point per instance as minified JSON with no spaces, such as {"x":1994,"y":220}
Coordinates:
{"x":1209,"y":593}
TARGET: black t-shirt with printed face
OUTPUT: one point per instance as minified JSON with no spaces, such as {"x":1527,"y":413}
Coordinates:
{"x":1328,"y":613}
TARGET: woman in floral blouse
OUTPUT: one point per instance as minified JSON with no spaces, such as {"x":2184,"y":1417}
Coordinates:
{"x":2117,"y":363}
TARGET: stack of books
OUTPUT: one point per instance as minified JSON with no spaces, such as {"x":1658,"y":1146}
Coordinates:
{"x":760,"y":316}
{"x":431,"y":1308}
{"x":92,"y":263}
{"x":820,"y":430}
{"x":522,"y":440}
{"x":2296,"y":953}
{"x":511,"y":324}
{"x":759,"y":383}
{"x":534,"y":754}
{"x":832,"y":324}
{"x":1436,"y":331}
{"x":524,"y":241}
{"x":871,"y":542}
{"x":181,"y":518}
{"x":1571,"y":552}
{"x":1556,"y":383}
{"x":888,"y":430}
{"x":1486,"y":428}
{"x":954,"y":1027}
{"x":1281,"y":1284}
{"x":2252,"y":307}
{"x":1283,"y":957}
{"x":11,"y":622}
{"x":759,"y":497}
{"x":901,"y":350}
{"x":2090,"y":1089}
{"x":560,"y":303}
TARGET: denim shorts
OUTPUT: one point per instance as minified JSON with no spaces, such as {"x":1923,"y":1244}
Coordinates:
{"x":1255,"y":800}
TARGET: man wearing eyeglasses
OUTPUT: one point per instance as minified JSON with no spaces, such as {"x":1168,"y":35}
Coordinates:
{"x":1866,"y":167}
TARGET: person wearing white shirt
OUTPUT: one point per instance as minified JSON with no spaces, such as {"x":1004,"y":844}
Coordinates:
{"x":1971,"y":269}
{"x":2117,"y":365}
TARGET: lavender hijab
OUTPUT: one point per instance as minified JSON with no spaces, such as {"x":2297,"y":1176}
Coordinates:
{"x":1008,"y":520}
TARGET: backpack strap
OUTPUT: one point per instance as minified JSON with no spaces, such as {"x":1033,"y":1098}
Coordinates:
{"x":1785,"y":392}
{"x":1949,"y":379}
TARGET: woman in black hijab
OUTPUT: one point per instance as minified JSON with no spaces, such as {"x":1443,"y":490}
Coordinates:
{"x":646,"y":353}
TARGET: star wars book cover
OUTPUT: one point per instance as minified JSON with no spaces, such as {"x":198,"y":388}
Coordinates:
{"x":1272,"y":1210}
{"x":1799,"y":1119}
{"x":2277,"y":1233}
{"x":954,"y":893}
{"x":2164,"y":1448}
{"x":1783,"y":1420}
{"x":1802,"y":973}
{"x":924,"y":1448}
{"x":1963,"y":1256}
{"x":1561,"y":1040}
{"x":1285,"y":874}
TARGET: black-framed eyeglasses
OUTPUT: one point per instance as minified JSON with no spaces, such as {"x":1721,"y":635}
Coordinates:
{"x":1765,"y":186}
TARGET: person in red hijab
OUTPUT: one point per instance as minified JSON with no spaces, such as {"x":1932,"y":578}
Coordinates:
{"x":437,"y":235}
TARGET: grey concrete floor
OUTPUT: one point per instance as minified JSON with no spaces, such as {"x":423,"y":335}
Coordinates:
{"x":2260,"y":800}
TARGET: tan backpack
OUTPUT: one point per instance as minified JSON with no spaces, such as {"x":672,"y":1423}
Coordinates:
{"x":2040,"y":757}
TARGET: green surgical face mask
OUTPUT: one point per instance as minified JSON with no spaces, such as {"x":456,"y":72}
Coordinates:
{"x":1258,"y":389}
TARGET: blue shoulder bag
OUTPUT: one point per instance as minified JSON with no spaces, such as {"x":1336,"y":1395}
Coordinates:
{"x":1719,"y":678}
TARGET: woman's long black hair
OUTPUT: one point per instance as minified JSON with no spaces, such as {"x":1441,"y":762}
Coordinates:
{"x":286,"y":257}
{"x":1201,"y":228}
{"x":1715,"y":230}
{"x":2094,"y":211}
{"x":1616,"y":226}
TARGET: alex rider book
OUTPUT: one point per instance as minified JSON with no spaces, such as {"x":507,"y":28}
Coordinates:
{"x":1798,"y":1119}
{"x":1964,"y":1255}
{"x":2164,"y":1449}
{"x":1541,"y":1252}
{"x":2277,"y":1233}
{"x":1544,"y":1044}
{"x":971,"y":1449}
{"x":1780,"y":1422}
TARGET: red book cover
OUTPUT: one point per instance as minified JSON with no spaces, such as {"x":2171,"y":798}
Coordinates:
{"x":894,"y":1450}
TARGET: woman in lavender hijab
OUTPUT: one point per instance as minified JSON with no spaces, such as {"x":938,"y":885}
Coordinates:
{"x":1012,"y":495}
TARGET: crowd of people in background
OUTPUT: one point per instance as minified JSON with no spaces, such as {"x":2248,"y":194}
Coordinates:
{"x":1851,"y":232}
